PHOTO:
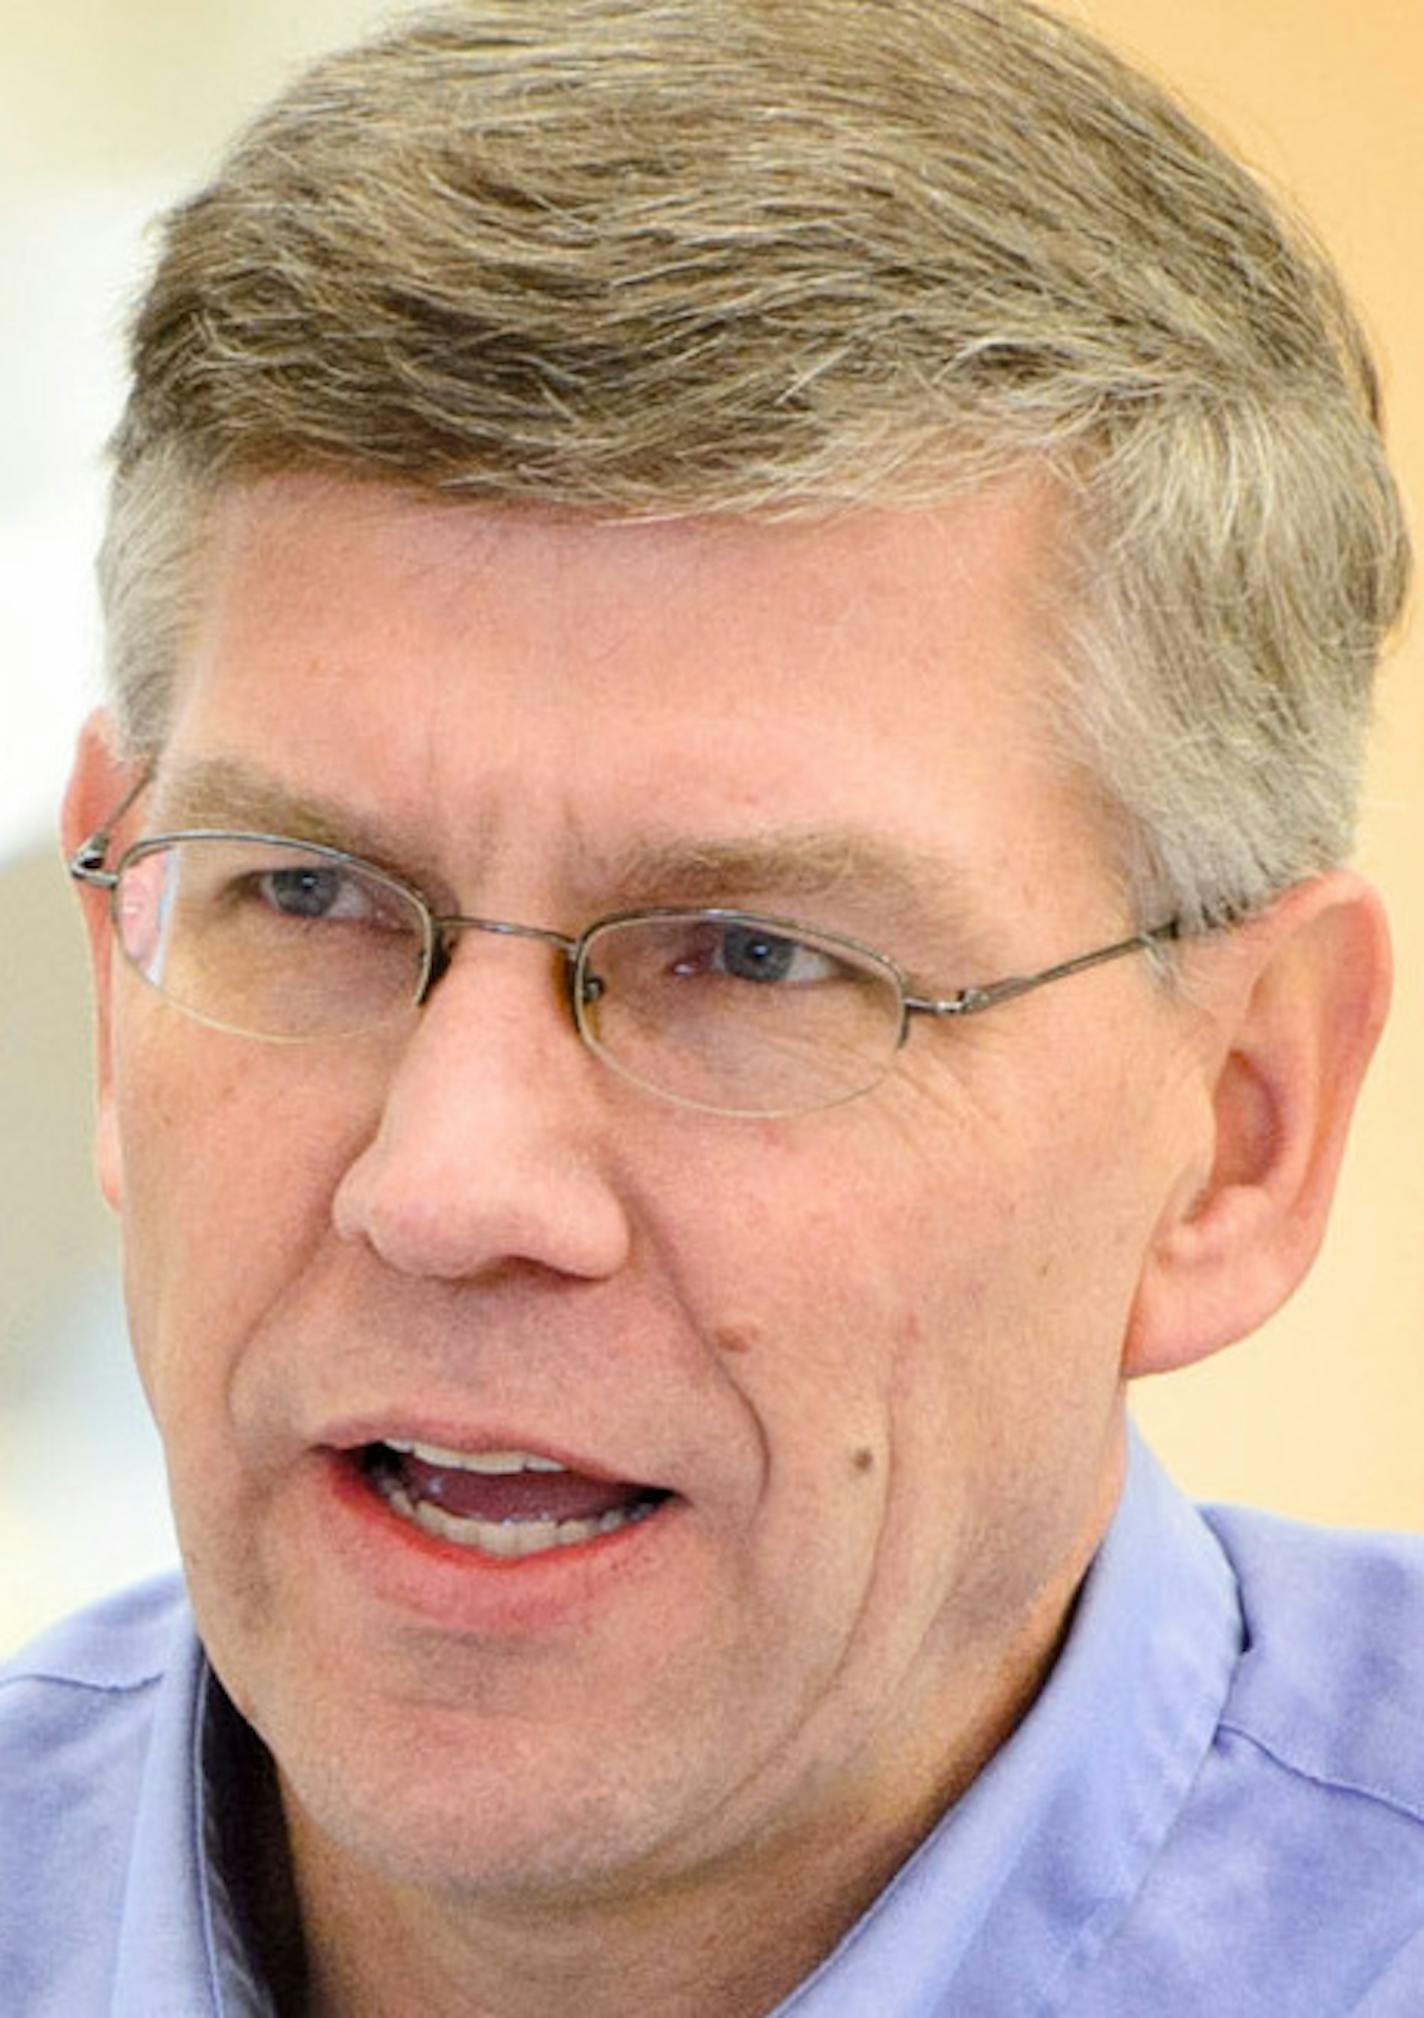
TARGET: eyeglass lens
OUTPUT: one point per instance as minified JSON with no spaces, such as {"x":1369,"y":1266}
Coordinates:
{"x":270,"y":939}
{"x":725,"y":1014}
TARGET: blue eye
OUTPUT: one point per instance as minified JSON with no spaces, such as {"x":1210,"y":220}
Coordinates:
{"x":316,"y":893}
{"x":754,"y":952}
{"x":751,"y":954}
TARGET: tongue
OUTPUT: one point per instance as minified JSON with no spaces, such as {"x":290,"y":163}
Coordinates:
{"x":523,"y":1495}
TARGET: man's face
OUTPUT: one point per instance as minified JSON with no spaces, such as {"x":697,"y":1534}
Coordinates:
{"x":870,"y":1355}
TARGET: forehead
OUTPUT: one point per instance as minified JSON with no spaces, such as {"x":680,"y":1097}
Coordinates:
{"x":479,"y":675}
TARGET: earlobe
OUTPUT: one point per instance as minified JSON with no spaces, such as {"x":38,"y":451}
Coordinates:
{"x":108,"y":1151}
{"x":98,"y":782}
{"x":1294,"y":1005}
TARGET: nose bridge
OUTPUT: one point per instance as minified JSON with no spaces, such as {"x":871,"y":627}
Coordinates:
{"x":449,"y":927}
{"x":457,"y":921}
{"x":489,"y":1149}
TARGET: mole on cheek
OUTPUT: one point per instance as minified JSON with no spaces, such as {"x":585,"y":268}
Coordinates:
{"x":736,"y":1337}
{"x":863,"y":1459}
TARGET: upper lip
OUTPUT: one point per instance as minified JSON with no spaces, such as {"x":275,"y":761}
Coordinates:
{"x":357,"y":1433}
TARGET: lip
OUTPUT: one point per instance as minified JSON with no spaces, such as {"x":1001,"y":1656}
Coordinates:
{"x":350,"y":1437}
{"x":420,"y":1577}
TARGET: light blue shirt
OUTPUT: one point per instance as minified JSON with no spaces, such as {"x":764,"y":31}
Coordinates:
{"x":1215,"y":1809}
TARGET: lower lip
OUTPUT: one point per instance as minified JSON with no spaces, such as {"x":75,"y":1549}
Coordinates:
{"x":464,"y":1588}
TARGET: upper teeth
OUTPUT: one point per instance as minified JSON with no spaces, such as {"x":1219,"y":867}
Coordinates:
{"x":493,"y":1461}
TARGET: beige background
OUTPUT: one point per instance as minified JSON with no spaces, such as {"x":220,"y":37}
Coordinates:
{"x":108,"y":110}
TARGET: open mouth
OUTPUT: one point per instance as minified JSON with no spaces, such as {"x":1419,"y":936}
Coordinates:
{"x":506,"y":1503}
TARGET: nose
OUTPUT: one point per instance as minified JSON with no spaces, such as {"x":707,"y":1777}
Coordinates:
{"x":492,"y":1148}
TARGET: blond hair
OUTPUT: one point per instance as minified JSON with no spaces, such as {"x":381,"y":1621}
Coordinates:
{"x":656,"y":258}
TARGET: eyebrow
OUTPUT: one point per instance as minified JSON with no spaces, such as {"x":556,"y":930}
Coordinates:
{"x":222,"y":792}
{"x":896,"y":883}
{"x":894,"y":886}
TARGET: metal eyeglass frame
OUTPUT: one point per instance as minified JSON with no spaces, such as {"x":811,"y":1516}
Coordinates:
{"x":88,"y":866}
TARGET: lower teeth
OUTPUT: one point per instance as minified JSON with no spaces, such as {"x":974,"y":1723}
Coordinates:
{"x":512,"y":1537}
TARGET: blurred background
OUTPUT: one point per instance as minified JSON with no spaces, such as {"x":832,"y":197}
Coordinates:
{"x":109,"y":110}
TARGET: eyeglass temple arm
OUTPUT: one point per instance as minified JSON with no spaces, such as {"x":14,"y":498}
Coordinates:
{"x":86,"y":864}
{"x":969,"y":1001}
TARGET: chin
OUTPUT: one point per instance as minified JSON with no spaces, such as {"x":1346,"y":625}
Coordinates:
{"x":500,"y":1815}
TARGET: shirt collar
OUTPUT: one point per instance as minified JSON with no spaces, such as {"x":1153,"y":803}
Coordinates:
{"x":180,"y":1953}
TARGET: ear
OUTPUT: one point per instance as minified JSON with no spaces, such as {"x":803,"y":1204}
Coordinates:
{"x":1293,"y":1005}
{"x":98,"y":783}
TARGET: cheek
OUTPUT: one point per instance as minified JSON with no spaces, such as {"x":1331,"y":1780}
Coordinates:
{"x":230,"y":1158}
{"x":937,"y":1288}
{"x":833,"y":1308}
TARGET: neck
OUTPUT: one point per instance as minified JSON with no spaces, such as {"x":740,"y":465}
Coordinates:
{"x":729,"y":1940}
{"x":725,"y":1943}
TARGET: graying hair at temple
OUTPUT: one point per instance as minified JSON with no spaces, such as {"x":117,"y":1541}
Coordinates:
{"x":659,"y":258}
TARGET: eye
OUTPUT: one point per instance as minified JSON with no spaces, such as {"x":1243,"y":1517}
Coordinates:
{"x":751,"y":952}
{"x":317,"y":893}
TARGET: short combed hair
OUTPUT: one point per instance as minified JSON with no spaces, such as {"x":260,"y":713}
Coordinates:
{"x":663,"y":258}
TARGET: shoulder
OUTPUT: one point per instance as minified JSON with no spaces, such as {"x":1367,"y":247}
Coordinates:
{"x":81,"y":1719}
{"x":77,"y":1704}
{"x":1291,"y":1883}
{"x":1331,"y":1678}
{"x":121,"y":1643}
